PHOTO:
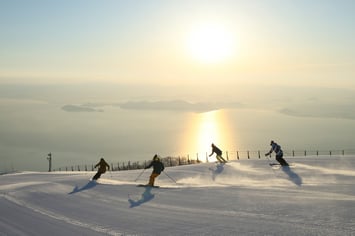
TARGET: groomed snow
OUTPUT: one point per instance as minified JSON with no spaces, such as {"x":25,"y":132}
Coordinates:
{"x":315,"y":196}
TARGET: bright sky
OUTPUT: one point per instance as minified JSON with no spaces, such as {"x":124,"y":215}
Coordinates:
{"x":178,"y":42}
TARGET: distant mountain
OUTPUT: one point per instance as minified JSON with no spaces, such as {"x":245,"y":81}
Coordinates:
{"x":176,"y":105}
{"x":80,"y":108}
{"x":339,"y":111}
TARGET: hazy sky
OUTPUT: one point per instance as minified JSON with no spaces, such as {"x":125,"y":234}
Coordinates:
{"x":293,"y":61}
{"x":179,"y":42}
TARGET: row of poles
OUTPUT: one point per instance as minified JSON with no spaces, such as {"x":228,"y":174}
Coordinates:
{"x":237,"y":154}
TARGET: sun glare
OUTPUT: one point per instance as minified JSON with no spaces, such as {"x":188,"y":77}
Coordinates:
{"x":206,"y":128}
{"x":208,"y":131}
{"x":210,"y":43}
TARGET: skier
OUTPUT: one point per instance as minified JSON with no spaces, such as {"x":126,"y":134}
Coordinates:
{"x":158,"y":167}
{"x":218,"y":152}
{"x":102,"y":168}
{"x":279,"y":154}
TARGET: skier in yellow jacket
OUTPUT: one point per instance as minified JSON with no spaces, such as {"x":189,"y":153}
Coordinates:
{"x":158,"y":167}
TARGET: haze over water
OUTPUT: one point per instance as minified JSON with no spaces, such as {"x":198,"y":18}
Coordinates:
{"x":82,"y":132}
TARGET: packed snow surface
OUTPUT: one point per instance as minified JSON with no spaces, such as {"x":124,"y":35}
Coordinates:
{"x":314,"y":196}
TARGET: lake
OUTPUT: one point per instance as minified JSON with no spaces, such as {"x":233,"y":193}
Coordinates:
{"x":30,"y":130}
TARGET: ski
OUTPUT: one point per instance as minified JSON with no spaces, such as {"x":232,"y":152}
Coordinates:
{"x":278,"y":165}
{"x":218,"y":162}
{"x":147,"y":185}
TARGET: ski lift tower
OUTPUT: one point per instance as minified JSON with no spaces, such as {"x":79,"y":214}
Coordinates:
{"x":49,"y":158}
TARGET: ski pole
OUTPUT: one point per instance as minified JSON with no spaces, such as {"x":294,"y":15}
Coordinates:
{"x":139,"y":175}
{"x":268,"y":159}
{"x":169,"y":177}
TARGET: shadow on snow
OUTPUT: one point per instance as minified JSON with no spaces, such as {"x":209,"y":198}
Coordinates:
{"x":89,"y":185}
{"x":294,"y":177}
{"x":146,"y":197}
{"x":218,"y":170}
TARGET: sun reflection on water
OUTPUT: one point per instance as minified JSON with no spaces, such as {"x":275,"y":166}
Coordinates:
{"x":206,"y":128}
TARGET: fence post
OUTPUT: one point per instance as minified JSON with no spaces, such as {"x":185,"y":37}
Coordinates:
{"x":330,"y":153}
{"x":259,"y":154}
{"x":227,"y":155}
{"x":248,"y":155}
{"x":293,"y":153}
{"x":49,"y":158}
{"x":237,"y":155}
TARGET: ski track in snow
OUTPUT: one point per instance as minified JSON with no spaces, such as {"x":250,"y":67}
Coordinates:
{"x":19,"y":185}
{"x":37,"y":209}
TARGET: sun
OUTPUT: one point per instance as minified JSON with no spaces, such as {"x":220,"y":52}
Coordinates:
{"x":210,"y":43}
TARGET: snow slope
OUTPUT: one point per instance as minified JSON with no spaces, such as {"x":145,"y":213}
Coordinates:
{"x":315,"y":196}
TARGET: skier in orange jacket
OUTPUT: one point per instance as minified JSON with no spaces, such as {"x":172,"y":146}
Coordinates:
{"x":158,"y":167}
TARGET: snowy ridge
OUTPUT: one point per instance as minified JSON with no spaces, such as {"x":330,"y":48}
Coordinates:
{"x":315,"y":196}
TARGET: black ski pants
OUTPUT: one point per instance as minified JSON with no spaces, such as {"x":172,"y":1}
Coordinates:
{"x":280,"y":159}
{"x":97,"y":175}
